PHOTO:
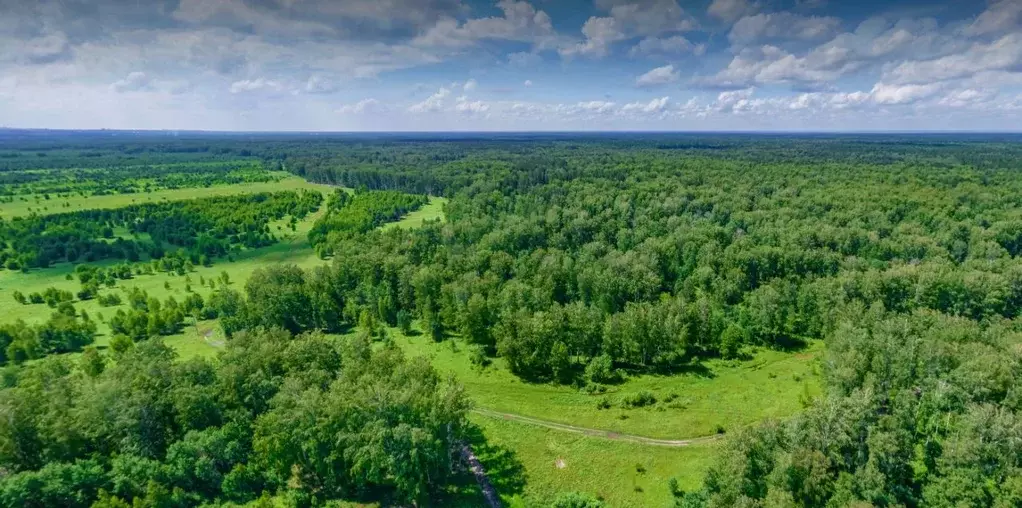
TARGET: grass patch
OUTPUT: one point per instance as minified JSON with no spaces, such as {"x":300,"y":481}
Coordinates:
{"x":74,"y":203}
{"x":728,"y":394}
{"x":623,"y":474}
{"x":430,"y":211}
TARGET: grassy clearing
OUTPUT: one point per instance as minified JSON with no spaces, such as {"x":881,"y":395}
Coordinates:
{"x":721,"y":393}
{"x":293,"y":248}
{"x":36,"y":203}
{"x":431,"y":211}
{"x":526,"y":462}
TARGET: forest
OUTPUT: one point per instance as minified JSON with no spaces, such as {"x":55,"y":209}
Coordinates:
{"x":575,"y":262}
{"x":205,"y":228}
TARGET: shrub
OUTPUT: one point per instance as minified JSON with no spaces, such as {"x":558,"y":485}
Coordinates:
{"x":639,"y":399}
{"x":576,"y":500}
{"x":601,"y":370}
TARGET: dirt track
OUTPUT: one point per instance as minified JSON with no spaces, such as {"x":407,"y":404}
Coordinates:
{"x":673,"y":443}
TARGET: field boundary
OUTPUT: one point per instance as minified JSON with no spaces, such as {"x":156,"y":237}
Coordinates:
{"x":604,"y":434}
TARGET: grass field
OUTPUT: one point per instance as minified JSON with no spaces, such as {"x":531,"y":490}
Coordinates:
{"x":728,"y":394}
{"x":526,"y":462}
{"x":293,"y":248}
{"x":35,"y":203}
{"x":431,"y":211}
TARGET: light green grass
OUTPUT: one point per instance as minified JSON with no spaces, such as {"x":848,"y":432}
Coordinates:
{"x":730,"y":394}
{"x":293,"y":248}
{"x":555,"y":462}
{"x":75,"y":203}
{"x":430,"y":211}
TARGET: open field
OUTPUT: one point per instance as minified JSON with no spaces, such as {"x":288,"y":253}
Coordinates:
{"x":537,"y":463}
{"x":24,"y":205}
{"x":293,"y":248}
{"x":729,"y":394}
{"x":431,"y":211}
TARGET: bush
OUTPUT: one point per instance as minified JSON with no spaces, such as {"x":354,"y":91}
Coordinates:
{"x":109,"y":300}
{"x":640,"y":399}
{"x":601,"y":370}
{"x":576,"y":500}
{"x":479,"y":358}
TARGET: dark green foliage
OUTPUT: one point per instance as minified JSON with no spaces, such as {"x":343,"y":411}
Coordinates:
{"x":347,"y":217}
{"x":576,"y":500}
{"x":147,"y":428}
{"x":202,"y":229}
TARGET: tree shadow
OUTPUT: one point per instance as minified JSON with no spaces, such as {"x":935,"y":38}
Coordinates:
{"x":503,"y":469}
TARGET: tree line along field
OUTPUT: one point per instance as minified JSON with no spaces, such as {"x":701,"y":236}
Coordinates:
{"x":832,"y":319}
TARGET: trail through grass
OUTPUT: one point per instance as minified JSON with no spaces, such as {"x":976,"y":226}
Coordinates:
{"x":716,"y":395}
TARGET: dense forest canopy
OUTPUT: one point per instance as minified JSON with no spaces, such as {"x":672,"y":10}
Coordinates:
{"x":578,"y":260}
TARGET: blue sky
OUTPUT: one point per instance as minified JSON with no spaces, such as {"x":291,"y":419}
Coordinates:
{"x":424,"y":65}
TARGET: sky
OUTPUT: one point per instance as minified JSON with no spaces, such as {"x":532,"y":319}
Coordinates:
{"x":511,"y":65}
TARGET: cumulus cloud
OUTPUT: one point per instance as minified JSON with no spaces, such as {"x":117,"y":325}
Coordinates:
{"x":674,"y":45}
{"x":883,"y":93}
{"x":1001,"y":16}
{"x":782,"y":25}
{"x":363,"y":106}
{"x":527,"y":83}
{"x":768,"y":65}
{"x":464,"y":105}
{"x":626,"y":20}
{"x":658,"y":77}
{"x":132,"y":83}
{"x":653,"y":106}
{"x":470,"y":85}
{"x":256,"y":85}
{"x":520,"y":22}
{"x":732,"y":10}
{"x":433,"y":103}
{"x":1004,"y":54}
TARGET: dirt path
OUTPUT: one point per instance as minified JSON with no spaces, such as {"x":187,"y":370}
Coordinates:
{"x":484,"y":482}
{"x":674,"y":443}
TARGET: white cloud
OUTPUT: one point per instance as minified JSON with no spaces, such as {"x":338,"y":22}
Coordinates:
{"x":1002,"y":16}
{"x":628,"y":19}
{"x":470,"y":85}
{"x":470,"y":107}
{"x":320,"y":85}
{"x":1004,"y":54}
{"x":527,"y":83}
{"x":674,"y":45}
{"x":902,"y":94}
{"x":520,"y":22}
{"x":599,"y":33}
{"x":433,"y":103}
{"x":598,"y":107}
{"x":369,"y":105}
{"x":653,"y":106}
{"x":782,"y":26}
{"x":658,"y":77}
{"x":256,"y":85}
{"x":134,"y":82}
{"x":732,"y":10}
{"x":772,"y":65}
